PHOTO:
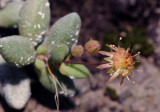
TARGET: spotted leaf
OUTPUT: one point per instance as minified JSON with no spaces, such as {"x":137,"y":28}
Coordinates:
{"x":34,"y":19}
{"x":65,"y":30}
{"x":17,"y":50}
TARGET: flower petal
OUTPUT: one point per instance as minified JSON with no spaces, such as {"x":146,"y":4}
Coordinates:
{"x":104,"y":66}
{"x":105,"y":53}
{"x":113,"y":47}
{"x":121,"y":82}
{"x":115,"y":75}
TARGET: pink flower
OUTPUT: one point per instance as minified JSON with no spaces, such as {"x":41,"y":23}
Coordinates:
{"x":120,"y":61}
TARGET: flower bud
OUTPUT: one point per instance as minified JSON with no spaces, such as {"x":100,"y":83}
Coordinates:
{"x":77,"y":51}
{"x":92,"y":46}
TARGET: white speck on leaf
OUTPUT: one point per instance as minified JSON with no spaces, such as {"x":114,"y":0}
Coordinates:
{"x":52,"y":42}
{"x":73,"y":39}
{"x":29,"y":59}
{"x":39,"y":26}
{"x":21,"y":59}
{"x":47,"y":4}
{"x":34,"y":43}
{"x":71,"y":36}
{"x":29,"y":34}
{"x":40,"y":13}
{"x":43,"y":15}
{"x":71,"y":77}
{"x":43,"y":32}
{"x":35,"y":26}
{"x":61,"y":92}
{"x":77,"y":26}
{"x":77,"y":33}
{"x":17,"y":65}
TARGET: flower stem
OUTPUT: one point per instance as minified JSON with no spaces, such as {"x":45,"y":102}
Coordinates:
{"x":83,"y":63}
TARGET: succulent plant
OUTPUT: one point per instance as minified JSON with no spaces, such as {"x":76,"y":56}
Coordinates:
{"x":46,"y":52}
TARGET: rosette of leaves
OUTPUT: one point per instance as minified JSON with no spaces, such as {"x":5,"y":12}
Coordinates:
{"x":62,"y":37}
{"x":25,"y":49}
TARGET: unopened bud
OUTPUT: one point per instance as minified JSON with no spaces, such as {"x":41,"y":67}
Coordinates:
{"x":77,"y":51}
{"x":92,"y":46}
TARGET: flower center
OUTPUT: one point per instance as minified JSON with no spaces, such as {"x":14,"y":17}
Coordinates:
{"x":122,"y":59}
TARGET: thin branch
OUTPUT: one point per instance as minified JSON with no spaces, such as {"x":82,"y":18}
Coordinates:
{"x":50,"y":72}
{"x":83,"y":63}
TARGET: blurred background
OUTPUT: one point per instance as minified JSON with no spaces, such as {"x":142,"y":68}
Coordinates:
{"x":138,"y":22}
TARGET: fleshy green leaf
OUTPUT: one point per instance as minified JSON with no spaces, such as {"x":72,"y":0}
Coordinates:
{"x":47,"y":81}
{"x":59,"y":52}
{"x":9,"y":15}
{"x":34,"y":19}
{"x":65,"y":30}
{"x":74,"y":70}
{"x":41,"y":49}
{"x":43,"y":75}
{"x":17,"y":50}
{"x":39,"y":64}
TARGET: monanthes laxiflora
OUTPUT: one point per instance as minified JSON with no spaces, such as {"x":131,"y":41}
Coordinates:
{"x":120,"y":61}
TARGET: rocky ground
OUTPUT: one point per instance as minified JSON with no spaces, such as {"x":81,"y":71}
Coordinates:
{"x":98,"y":18}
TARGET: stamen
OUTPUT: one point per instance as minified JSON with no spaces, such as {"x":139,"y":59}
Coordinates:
{"x":119,"y":42}
{"x":128,"y":78}
{"x":133,"y":82}
{"x":136,"y":55}
{"x":139,"y":70}
{"x":132,"y":76}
